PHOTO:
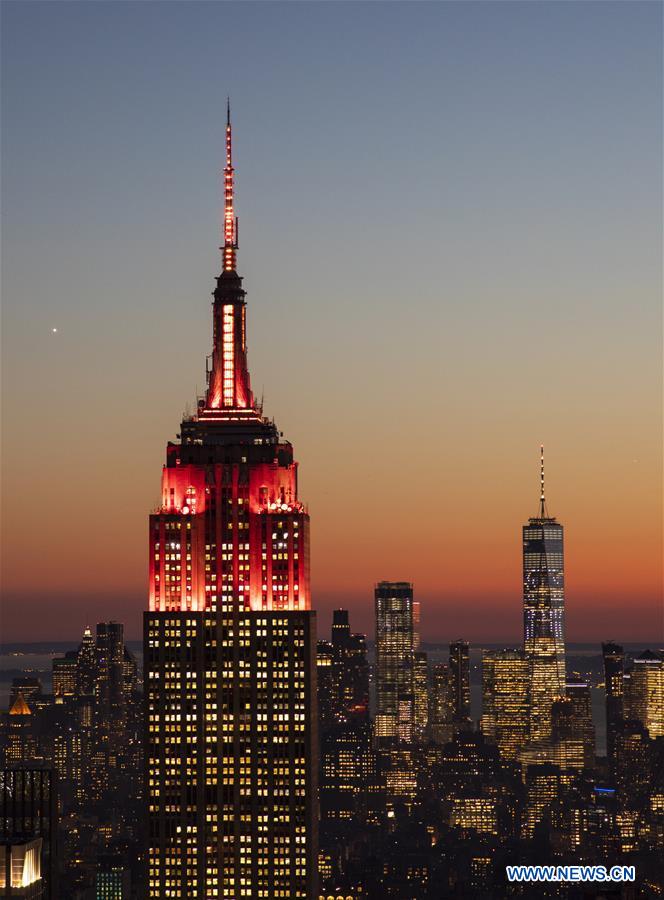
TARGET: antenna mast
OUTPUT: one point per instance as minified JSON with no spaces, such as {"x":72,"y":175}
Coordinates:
{"x":230,"y":220}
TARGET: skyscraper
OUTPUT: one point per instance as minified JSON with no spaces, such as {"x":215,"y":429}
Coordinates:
{"x":460,"y":672}
{"x":230,"y":679}
{"x":346,"y":757}
{"x":441,"y":712}
{"x":614,"y":669}
{"x":645,"y":692}
{"x":577,"y":690}
{"x":396,"y":640}
{"x":86,"y":664}
{"x":420,"y":695}
{"x":543,"y":614}
{"x":21,"y":742}
{"x":567,"y":749}
{"x":351,"y":668}
{"x":109,"y":679}
{"x":543,"y":784}
{"x":505,"y":700}
{"x":64,"y":674}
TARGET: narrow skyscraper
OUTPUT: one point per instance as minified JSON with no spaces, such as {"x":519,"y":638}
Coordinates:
{"x":460,"y":672}
{"x":543,"y":614}
{"x":230,"y":686}
{"x":441,"y":709}
{"x":396,"y":642}
{"x":614,"y":672}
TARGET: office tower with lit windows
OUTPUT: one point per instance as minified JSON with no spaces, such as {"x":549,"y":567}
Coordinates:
{"x":567,"y":749}
{"x":460,"y":673}
{"x":543,"y":783}
{"x":644,"y":695}
{"x":441,"y":711}
{"x":633,"y":761}
{"x":577,"y":691}
{"x":326,"y":688}
{"x":614,"y":669}
{"x":420,"y":695}
{"x":64,"y":674}
{"x":229,"y":641}
{"x":505,"y":700}
{"x":396,"y":642}
{"x":543,"y":614}
{"x":21,"y":742}
{"x":112,"y":879}
{"x":86,"y":664}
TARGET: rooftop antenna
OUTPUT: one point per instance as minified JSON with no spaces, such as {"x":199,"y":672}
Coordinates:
{"x":230,"y":220}
{"x":543,"y":513}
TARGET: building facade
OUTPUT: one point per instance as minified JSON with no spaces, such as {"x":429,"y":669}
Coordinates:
{"x":397,"y":640}
{"x":441,"y":708}
{"x":613,"y":657}
{"x":347,"y":762}
{"x":29,"y":812}
{"x":460,"y":672}
{"x":230,"y":672}
{"x":645,"y":692}
{"x":505,"y":714}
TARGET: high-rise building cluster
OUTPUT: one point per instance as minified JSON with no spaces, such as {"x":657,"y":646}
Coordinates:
{"x":443,"y":799}
{"x":72,"y":776}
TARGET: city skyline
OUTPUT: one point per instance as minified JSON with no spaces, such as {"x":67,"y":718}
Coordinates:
{"x":450,"y":374}
{"x":434,"y":284}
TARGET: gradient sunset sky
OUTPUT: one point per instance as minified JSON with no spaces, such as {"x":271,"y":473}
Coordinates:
{"x":451,"y":240}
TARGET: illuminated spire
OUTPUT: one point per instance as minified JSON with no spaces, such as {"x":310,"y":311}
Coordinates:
{"x":543,"y":514}
{"x":230,"y":220}
{"x":228,"y":379}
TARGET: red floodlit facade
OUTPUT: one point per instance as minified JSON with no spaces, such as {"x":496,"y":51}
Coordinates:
{"x":230,"y":641}
{"x":230,"y":529}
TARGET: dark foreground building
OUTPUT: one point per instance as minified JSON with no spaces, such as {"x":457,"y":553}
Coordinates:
{"x":29,"y":822}
{"x":230,"y":643}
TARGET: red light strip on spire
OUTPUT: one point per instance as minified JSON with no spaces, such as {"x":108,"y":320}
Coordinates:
{"x":230,"y":222}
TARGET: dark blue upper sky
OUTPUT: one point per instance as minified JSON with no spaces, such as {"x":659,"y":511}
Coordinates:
{"x":450,"y":232}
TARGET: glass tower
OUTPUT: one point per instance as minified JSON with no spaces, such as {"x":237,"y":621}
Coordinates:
{"x":543,"y":615}
{"x":396,"y":643}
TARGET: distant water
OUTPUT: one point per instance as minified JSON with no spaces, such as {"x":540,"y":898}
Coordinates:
{"x":35,"y":660}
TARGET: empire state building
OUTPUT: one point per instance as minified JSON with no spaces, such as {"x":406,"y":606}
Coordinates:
{"x":229,"y":640}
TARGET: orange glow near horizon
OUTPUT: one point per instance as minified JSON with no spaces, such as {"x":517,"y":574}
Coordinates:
{"x":460,"y":548}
